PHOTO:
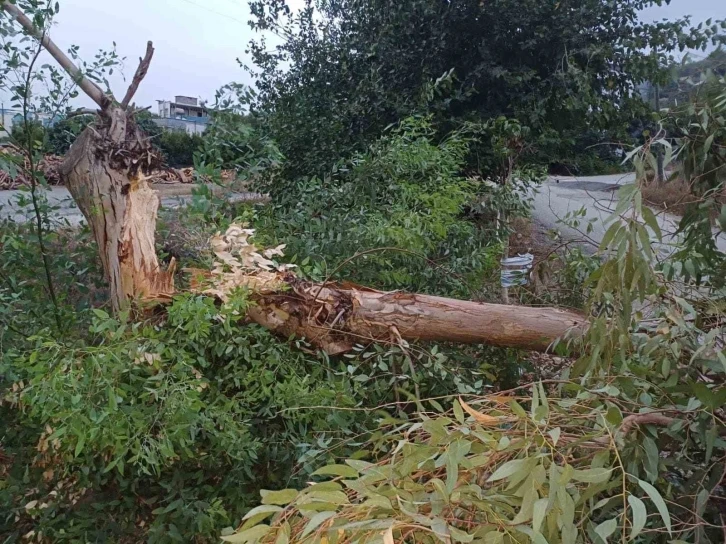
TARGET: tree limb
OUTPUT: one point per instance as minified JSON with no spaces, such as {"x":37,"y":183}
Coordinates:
{"x":86,"y":85}
{"x":79,"y":113}
{"x":139,"y":75}
{"x":648,"y":418}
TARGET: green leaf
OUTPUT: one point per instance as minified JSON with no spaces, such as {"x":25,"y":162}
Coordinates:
{"x":538,"y":513}
{"x":460,"y":536}
{"x":284,"y":496}
{"x":316,"y":521}
{"x":658,"y":501}
{"x":249,"y":535}
{"x":333,"y":497}
{"x":640,"y":515}
{"x":262,"y":509}
{"x":79,"y":445}
{"x":652,"y":222}
{"x":592,"y":475}
{"x":337,"y":470}
{"x":652,"y":458}
{"x":609,"y":235}
{"x":283,"y":534}
{"x":458,"y":412}
{"x":711,"y":434}
{"x":517,"y":409}
{"x":512,"y":467}
{"x":259,"y":513}
{"x":606,"y":528}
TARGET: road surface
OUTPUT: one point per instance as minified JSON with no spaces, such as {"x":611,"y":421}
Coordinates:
{"x":16,"y":205}
{"x":553,"y":200}
{"x":560,"y":195}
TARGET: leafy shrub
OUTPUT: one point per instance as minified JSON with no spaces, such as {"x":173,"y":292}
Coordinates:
{"x":702,"y":130}
{"x":34,"y":136}
{"x":626,"y":445}
{"x":233,"y":139}
{"x":397,"y":208}
{"x":171,"y":426}
{"x":179,"y":147}
{"x":63,"y":133}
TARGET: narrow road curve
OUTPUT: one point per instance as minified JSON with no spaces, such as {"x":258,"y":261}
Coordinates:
{"x":560,"y":195}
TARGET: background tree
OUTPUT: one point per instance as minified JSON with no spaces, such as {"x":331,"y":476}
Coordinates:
{"x":347,"y":69}
{"x":64,"y":132}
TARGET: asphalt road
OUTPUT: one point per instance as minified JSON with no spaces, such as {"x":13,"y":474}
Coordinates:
{"x":16,"y":206}
{"x":560,"y":195}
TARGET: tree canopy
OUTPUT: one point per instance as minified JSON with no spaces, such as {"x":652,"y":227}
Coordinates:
{"x":349,"y":68}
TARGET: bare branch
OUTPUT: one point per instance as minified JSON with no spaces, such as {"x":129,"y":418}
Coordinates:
{"x":648,"y":418}
{"x":78,"y":113}
{"x":139,"y":75}
{"x":88,"y":86}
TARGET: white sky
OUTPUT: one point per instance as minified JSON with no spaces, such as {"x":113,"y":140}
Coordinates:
{"x":197,"y":41}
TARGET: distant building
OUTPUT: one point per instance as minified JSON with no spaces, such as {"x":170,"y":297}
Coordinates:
{"x":184,"y":113}
{"x":11,"y":117}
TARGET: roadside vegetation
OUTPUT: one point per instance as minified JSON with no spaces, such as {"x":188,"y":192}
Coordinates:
{"x":397,"y":158}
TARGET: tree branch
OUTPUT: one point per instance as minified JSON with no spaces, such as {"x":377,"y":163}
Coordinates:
{"x":86,"y":85}
{"x":80,"y":112}
{"x":139,"y":75}
{"x":649,"y":418}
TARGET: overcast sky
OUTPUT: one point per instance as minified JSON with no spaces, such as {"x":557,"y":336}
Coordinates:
{"x":198,"y":41}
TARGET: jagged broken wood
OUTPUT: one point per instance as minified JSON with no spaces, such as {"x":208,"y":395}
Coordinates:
{"x":337,"y":316}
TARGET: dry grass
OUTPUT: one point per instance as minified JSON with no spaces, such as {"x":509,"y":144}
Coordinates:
{"x":672,"y":196}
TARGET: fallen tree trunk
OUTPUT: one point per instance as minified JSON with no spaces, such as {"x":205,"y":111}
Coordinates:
{"x":336,"y":318}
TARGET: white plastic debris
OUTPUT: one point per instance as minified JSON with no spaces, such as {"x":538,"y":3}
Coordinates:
{"x":515,"y":270}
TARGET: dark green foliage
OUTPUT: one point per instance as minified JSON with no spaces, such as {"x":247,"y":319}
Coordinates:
{"x":234,"y":140}
{"x":347,"y":69}
{"x":32,"y":136}
{"x":681,"y":87}
{"x":179,"y":147}
{"x":179,"y":421}
{"x":400,"y":204}
{"x":63,"y":133}
{"x":145,"y":120}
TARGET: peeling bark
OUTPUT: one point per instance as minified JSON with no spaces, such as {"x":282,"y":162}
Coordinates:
{"x":334,"y":318}
{"x":104,"y":171}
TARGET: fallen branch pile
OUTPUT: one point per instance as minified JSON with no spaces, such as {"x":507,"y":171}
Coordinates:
{"x":48,"y":166}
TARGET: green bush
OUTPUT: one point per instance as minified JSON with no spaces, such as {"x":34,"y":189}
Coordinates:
{"x":179,"y":147}
{"x":34,"y":136}
{"x":63,"y":133}
{"x":405,"y":195}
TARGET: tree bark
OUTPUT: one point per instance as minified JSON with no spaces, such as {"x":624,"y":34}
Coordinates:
{"x":335,"y":318}
{"x":104,"y":171}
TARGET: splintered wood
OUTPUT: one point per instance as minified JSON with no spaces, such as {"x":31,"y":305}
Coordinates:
{"x":334,"y":317}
